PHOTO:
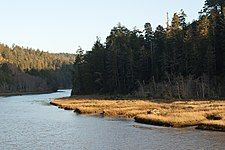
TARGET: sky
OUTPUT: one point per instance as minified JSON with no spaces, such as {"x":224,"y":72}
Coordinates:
{"x":64,"y":25}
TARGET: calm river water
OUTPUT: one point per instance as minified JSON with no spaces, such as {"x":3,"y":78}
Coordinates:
{"x":29,"y":122}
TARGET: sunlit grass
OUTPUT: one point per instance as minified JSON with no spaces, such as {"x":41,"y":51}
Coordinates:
{"x":204,"y":114}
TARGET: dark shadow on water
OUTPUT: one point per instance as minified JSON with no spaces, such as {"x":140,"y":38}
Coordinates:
{"x":118,"y":119}
{"x":42,"y":102}
{"x":142,"y":127}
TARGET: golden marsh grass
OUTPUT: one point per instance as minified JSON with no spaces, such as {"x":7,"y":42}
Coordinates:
{"x":207,"y":114}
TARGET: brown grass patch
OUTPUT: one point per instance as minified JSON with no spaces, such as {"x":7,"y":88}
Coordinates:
{"x":208,"y":114}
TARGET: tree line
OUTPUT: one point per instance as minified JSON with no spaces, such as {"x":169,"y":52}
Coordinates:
{"x":182,"y":60}
{"x":27,"y":69}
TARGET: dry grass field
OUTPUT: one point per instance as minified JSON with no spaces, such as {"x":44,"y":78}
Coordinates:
{"x":207,"y":115}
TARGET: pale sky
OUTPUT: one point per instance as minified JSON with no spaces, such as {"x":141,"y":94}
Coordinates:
{"x":63,"y":25}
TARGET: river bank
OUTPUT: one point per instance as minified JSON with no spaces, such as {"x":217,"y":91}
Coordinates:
{"x":203,"y":114}
{"x":25,"y":93}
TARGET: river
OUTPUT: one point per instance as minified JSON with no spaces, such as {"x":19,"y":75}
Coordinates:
{"x":29,"y":122}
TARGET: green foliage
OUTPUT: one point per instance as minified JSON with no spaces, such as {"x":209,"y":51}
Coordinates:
{"x":5,"y":75}
{"x":28,"y":58}
{"x":193,"y":53}
{"x":55,"y":69}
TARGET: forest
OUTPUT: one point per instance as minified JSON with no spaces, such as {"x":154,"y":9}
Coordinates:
{"x":182,"y":60}
{"x":29,"y":70}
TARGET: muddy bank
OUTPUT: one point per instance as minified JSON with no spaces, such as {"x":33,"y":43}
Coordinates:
{"x":205,"y":115}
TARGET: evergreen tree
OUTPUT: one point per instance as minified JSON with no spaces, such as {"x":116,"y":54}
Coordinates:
{"x":185,"y":60}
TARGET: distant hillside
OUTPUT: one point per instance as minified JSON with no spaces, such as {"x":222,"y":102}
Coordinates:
{"x":26,"y":69}
{"x":13,"y":80}
{"x":28,"y":58}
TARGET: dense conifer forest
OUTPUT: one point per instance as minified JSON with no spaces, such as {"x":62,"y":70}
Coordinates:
{"x":181,"y":60}
{"x":28,"y":70}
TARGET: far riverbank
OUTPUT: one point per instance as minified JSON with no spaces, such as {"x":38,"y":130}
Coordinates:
{"x":25,"y":93}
